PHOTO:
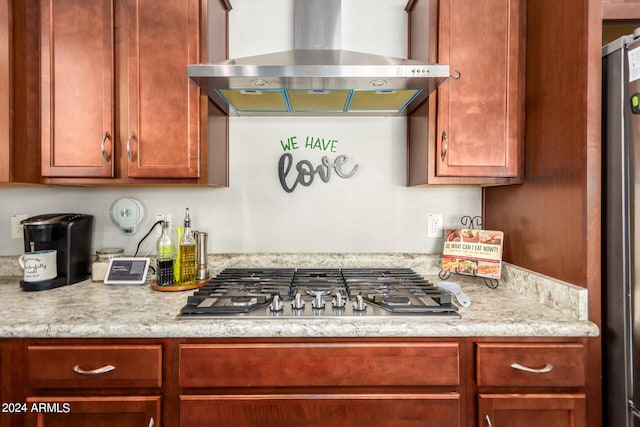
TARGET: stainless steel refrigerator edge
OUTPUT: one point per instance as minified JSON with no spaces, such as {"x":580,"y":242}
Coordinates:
{"x":620,"y":226}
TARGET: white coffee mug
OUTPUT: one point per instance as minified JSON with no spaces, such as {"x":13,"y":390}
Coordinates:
{"x":39,"y":265}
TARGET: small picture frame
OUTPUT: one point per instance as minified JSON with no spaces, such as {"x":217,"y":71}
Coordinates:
{"x":127,"y":271}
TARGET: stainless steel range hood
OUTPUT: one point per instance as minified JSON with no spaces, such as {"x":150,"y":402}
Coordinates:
{"x":317,"y":77}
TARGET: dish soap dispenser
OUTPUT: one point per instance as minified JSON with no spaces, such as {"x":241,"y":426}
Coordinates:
{"x":187,"y":254}
{"x":166,"y":256}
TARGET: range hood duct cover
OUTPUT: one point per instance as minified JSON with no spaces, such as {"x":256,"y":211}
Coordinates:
{"x":317,"y":77}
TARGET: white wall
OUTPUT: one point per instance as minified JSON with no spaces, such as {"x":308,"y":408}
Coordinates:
{"x":370,"y":212}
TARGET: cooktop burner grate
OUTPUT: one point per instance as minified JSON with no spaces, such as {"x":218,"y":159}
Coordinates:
{"x":322,"y":292}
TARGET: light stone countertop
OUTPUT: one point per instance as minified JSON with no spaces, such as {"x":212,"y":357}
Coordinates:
{"x":525,"y":304}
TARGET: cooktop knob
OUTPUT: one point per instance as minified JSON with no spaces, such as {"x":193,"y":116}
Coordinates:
{"x":359,"y":304}
{"x":318,"y":302}
{"x":339,"y":301}
{"x":276,"y":304}
{"x":298,"y":302}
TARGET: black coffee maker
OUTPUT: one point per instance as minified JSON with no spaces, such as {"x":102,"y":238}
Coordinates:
{"x":70,"y":235}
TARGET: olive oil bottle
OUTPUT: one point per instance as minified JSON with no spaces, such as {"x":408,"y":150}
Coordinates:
{"x":187,"y":254}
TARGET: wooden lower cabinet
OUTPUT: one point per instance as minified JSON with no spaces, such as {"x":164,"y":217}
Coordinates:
{"x":318,"y":383}
{"x":140,"y":411}
{"x":527,"y":410}
{"x":522,"y":384}
{"x":85,"y":383}
{"x":320,"y":410}
{"x":310,"y":382}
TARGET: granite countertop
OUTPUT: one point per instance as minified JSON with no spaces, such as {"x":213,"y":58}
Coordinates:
{"x":524,"y":305}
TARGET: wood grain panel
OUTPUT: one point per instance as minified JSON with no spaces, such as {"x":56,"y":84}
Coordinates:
{"x":546,"y":220}
{"x":347,"y":364}
{"x":340,"y":410}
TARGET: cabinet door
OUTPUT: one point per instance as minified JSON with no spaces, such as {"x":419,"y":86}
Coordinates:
{"x":12,"y":389}
{"x":77,"y":78}
{"x":434,"y":410}
{"x":164,"y":110}
{"x":93,"y":411}
{"x":526,"y":410}
{"x":478,"y":116}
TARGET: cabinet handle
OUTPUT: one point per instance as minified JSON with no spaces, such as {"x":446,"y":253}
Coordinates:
{"x":98,"y":371}
{"x":488,"y":419}
{"x":104,"y":139}
{"x":445,"y":146}
{"x":151,"y":422}
{"x":548,"y":368}
{"x":129,"y":154}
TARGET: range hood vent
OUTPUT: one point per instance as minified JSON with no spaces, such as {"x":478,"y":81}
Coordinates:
{"x":317,"y":77}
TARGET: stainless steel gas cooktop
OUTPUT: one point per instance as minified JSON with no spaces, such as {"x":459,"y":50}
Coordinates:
{"x":324,"y":292}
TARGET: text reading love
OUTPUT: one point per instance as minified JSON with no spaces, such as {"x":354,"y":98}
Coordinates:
{"x":305,"y":171}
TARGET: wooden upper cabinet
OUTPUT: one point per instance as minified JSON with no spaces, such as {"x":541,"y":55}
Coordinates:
{"x":77,"y":88}
{"x":164,"y":108}
{"x":477,"y":132}
{"x":477,"y":117}
{"x":117,"y":106}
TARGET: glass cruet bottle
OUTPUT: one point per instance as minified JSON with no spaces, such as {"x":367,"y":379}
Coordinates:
{"x":166,"y":256}
{"x":187,"y":254}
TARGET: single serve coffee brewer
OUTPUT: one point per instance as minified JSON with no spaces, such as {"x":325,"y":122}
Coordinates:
{"x":69,"y":235}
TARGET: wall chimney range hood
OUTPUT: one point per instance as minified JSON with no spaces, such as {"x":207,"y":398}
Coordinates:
{"x":318,"y":77}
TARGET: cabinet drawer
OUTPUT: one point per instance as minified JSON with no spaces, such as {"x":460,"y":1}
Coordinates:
{"x":322,"y":364}
{"x":521,"y":365}
{"x":94,"y":366}
{"x":336,"y":410}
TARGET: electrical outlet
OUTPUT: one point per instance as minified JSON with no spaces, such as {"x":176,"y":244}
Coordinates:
{"x":16,"y":227}
{"x":435,"y":224}
{"x":161,"y":217}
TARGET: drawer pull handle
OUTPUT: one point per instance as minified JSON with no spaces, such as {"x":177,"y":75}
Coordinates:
{"x":548,"y":368}
{"x":98,"y":371}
